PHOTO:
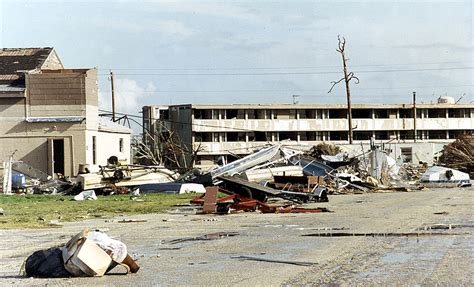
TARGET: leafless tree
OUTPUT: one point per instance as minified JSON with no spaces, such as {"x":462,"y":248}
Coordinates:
{"x":347,"y":78}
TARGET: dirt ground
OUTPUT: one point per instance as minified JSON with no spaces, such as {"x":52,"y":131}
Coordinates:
{"x":443,"y":258}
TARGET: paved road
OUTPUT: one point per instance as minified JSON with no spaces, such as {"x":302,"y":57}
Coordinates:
{"x":355,"y":260}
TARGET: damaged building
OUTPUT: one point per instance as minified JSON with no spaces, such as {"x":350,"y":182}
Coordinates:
{"x":49,"y":114}
{"x":227,"y":132}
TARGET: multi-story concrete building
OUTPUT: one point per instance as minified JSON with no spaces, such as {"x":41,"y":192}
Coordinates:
{"x":49,"y":115}
{"x":237,"y":129}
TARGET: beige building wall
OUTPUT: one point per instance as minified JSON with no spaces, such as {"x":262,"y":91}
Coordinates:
{"x":59,"y":94}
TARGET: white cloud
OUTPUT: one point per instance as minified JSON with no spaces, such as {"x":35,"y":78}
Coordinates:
{"x":129,"y":96}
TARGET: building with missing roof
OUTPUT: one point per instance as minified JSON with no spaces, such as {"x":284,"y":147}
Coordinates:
{"x":49,"y":114}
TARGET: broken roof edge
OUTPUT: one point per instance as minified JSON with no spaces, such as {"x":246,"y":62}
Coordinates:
{"x":106,"y":125}
{"x":59,"y":119}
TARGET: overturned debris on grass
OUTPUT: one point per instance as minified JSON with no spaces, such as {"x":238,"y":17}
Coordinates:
{"x":87,"y":254}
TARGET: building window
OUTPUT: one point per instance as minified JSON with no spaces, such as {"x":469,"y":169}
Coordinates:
{"x":436,"y":113}
{"x":362,"y":136}
{"x":258,"y":114}
{"x":437,"y":135}
{"x":203,"y":114}
{"x":458,"y":133}
{"x":362,"y":113}
{"x":337,"y":114}
{"x":383,"y":114}
{"x":459,"y":113}
{"x":285,"y":114}
{"x":259,"y":137}
{"x":203,"y":137}
{"x":338,"y":136}
{"x":406,"y":113}
{"x":382,"y":135}
{"x":94,"y":150}
{"x":121,"y":145}
{"x":235,"y":114}
{"x":307,"y":136}
{"x":288,"y":136}
{"x":406,"y":154}
{"x":235,"y":137}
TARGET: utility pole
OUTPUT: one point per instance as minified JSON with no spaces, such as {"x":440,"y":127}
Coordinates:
{"x":414,"y":117}
{"x":348,"y":76}
{"x":113,"y":95}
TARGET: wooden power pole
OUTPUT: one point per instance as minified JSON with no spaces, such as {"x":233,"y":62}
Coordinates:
{"x":113,"y":95}
{"x":348,"y":76}
{"x":414,"y":117}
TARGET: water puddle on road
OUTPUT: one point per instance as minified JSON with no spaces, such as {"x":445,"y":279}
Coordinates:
{"x":416,"y":257}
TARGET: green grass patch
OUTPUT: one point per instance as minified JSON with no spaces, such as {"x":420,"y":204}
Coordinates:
{"x":37,"y":211}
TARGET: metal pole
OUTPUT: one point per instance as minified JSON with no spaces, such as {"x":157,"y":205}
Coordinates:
{"x":414,"y":117}
{"x":113,"y":95}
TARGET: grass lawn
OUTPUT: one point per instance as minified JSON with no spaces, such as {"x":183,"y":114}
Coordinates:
{"x":37,"y":211}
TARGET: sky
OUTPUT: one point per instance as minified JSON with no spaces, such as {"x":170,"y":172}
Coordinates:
{"x":194,"y":52}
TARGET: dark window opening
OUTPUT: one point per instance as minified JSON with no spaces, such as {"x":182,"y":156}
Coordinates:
{"x":235,"y":114}
{"x":307,"y":114}
{"x":338,"y":136}
{"x":203,"y":114}
{"x":419,"y":113}
{"x":94,"y":150}
{"x":406,"y":113}
{"x":258,"y":114}
{"x":459,"y":113}
{"x":437,"y":135}
{"x":259,"y":137}
{"x":362,"y":136}
{"x":284,"y":114}
{"x":381,"y":114}
{"x":362,"y":113}
{"x":288,"y":136}
{"x":308,"y":136}
{"x":382,"y":135}
{"x":236,"y":137}
{"x":457,"y":134}
{"x":121,"y":145}
{"x":436,"y":113}
{"x":406,"y":135}
{"x":203,"y":137}
{"x":337,"y":114}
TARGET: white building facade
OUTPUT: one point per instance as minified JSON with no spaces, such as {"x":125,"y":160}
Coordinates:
{"x":235,"y":130}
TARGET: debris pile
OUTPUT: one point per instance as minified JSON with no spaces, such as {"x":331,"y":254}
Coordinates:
{"x":87,"y":254}
{"x":321,"y":149}
{"x":459,"y":154}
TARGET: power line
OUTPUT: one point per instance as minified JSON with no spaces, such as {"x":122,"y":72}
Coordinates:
{"x":275,"y":90}
{"x":291,"y":73}
{"x":279,"y":68}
